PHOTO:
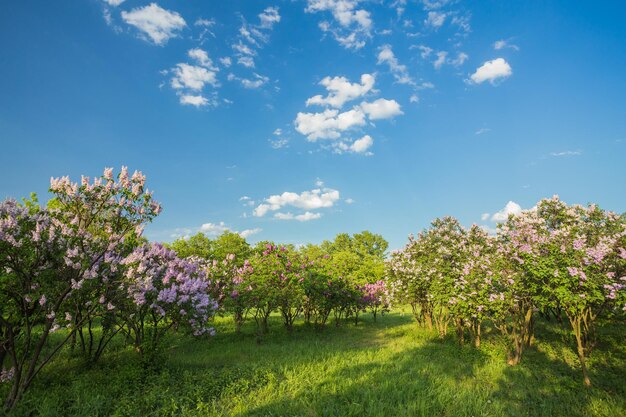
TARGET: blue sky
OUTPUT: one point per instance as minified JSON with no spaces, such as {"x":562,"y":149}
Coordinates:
{"x":296,"y":120}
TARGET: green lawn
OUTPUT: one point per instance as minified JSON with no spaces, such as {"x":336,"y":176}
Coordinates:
{"x":385,"y":368}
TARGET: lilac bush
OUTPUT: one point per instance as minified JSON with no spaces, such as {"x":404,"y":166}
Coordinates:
{"x":164,"y":291}
{"x":58,"y":265}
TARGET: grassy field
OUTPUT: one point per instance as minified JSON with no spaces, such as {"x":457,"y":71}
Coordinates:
{"x":384,"y":368}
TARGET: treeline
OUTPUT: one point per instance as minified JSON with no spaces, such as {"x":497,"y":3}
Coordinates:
{"x":338,"y":278}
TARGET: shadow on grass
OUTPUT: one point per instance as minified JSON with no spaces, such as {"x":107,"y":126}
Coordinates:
{"x":440,"y":378}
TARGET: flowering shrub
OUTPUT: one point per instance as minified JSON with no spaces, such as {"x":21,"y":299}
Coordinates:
{"x":571,"y":259}
{"x":566,"y":259}
{"x":57,"y":263}
{"x":276,"y":284}
{"x":230,"y":286}
{"x":376,"y":297}
{"x":164,"y":291}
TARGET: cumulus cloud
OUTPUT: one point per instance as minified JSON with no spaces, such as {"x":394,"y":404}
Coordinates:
{"x":381,"y":109}
{"x":510,"y":208}
{"x":399,"y":71}
{"x":328,"y":124}
{"x":269,"y":17}
{"x":114,"y":3}
{"x":332,"y":123}
{"x":196,"y":101}
{"x":492,"y":71}
{"x":189,"y":80}
{"x":353,"y":25}
{"x":307,"y":200}
{"x":216,"y":229}
{"x":340,"y":91}
{"x":192,"y":77}
{"x":249,"y":232}
{"x":158,"y":24}
{"x":360,"y":146}
{"x":201,"y":57}
{"x":435,"y":19}
{"x":304,"y":217}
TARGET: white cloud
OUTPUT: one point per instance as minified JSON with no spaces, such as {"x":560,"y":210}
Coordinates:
{"x":414,"y":98}
{"x":304,"y":217}
{"x":226,"y":61}
{"x":362,"y":145}
{"x":441,"y":59}
{"x":244,"y":49}
{"x":460,"y":59}
{"x":204,"y":22}
{"x":307,"y":200}
{"x":213,"y":228}
{"x":492,"y":71}
{"x":331,"y":123}
{"x":435,"y":19}
{"x":484,"y":217}
{"x":482,"y":130}
{"x":566,"y":153}
{"x":256,"y":82}
{"x":510,"y":208}
{"x":328,"y":124}
{"x":501,"y":44}
{"x":381,"y":109}
{"x":114,"y":3}
{"x":434,"y":4}
{"x":246,"y":61}
{"x":269,"y":17}
{"x":349,"y":201}
{"x":354,"y":24}
{"x":425,"y":51}
{"x":197,"y":101}
{"x":201,"y":57}
{"x":249,"y":232}
{"x":216,"y":229}
{"x":463,"y":23}
{"x":252,"y":38}
{"x":192,"y":77}
{"x":157,"y":23}
{"x":340,"y":91}
{"x":399,"y":71}
{"x":279,"y":141}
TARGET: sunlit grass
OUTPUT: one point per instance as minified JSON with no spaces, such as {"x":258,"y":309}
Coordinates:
{"x":385,"y":368}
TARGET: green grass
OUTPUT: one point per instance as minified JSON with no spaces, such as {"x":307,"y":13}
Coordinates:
{"x":384,"y":368}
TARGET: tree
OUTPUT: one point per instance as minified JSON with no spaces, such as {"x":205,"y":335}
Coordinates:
{"x":197,"y":245}
{"x":369,"y":244}
{"x":229,"y":243}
